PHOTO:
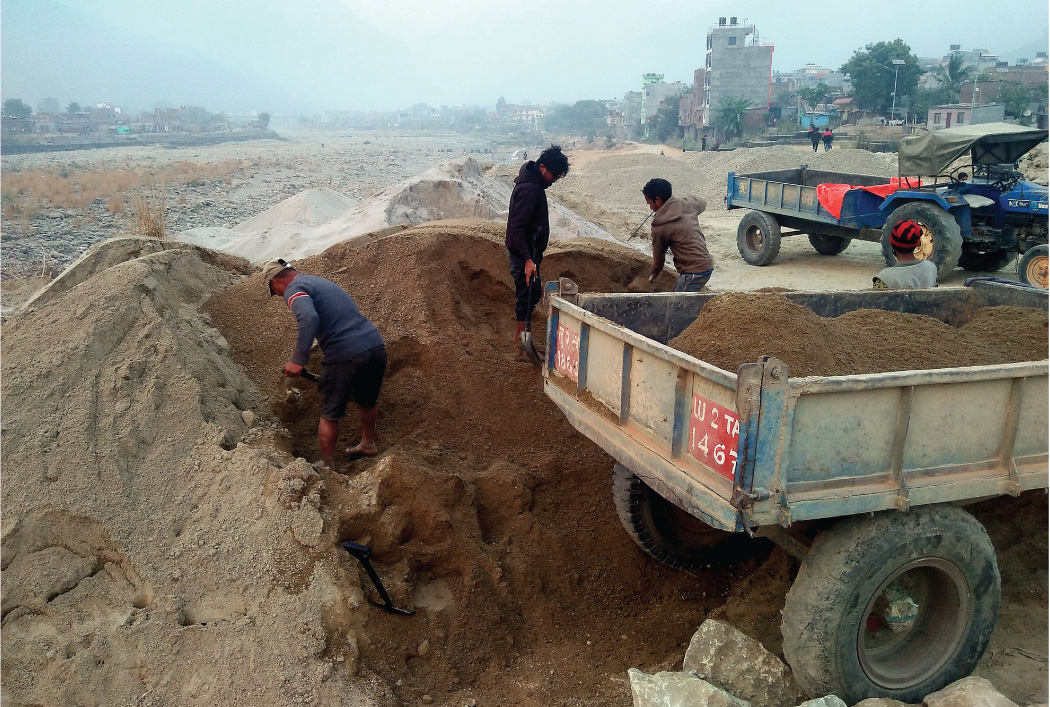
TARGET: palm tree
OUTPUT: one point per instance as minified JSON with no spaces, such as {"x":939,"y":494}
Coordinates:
{"x":953,"y":75}
{"x":729,"y":116}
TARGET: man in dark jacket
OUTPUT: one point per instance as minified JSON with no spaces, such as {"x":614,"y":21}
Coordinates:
{"x":354,"y":353}
{"x":676,"y":226}
{"x":528,"y":229}
{"x":814,"y":136}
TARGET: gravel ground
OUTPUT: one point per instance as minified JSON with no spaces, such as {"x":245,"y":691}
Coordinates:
{"x":355,"y":164}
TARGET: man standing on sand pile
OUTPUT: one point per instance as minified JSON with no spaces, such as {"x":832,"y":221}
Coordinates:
{"x":528,"y":229}
{"x":676,"y":226}
{"x":354,"y":353}
{"x":909,"y":272}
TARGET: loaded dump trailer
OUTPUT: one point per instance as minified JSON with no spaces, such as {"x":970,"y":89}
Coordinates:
{"x":859,"y":476}
{"x":975,"y":215}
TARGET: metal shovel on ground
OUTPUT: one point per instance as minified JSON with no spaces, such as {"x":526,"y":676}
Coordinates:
{"x":528,"y":347}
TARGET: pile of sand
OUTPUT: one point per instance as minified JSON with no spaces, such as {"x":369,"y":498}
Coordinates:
{"x":737,"y":328}
{"x":150,"y":534}
{"x":163,"y":545}
{"x":313,"y":220}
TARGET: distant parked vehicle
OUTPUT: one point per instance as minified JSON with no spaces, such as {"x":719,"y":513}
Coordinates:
{"x":976,"y":216}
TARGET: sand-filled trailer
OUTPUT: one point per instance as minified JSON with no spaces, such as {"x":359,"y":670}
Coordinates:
{"x":859,"y":476}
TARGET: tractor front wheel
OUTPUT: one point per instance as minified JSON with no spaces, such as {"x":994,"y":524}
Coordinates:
{"x":1032,"y":267}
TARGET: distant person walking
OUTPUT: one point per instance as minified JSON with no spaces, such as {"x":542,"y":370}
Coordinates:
{"x":828,"y":137}
{"x":703,"y":143}
{"x":528,"y":229}
{"x":676,"y":226}
{"x":814,"y":136}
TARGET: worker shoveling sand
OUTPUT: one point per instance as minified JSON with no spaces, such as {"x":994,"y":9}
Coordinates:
{"x":162,"y":546}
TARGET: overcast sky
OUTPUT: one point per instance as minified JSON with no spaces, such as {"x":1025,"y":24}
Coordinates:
{"x":302,"y":56}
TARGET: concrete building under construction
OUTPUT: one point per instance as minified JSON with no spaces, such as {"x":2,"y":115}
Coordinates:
{"x":737,"y":65}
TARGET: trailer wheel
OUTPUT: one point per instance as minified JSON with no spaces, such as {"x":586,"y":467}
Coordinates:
{"x":1032,"y":267}
{"x":991,"y":261}
{"x":896,"y":605}
{"x":662,"y":529}
{"x":941,"y":237}
{"x":828,"y":245}
{"x":758,"y":238}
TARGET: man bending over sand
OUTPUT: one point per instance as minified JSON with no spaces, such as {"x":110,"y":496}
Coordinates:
{"x":676,"y":225}
{"x":354,"y":353}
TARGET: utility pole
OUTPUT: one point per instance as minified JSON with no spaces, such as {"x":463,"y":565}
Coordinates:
{"x":897,"y":63}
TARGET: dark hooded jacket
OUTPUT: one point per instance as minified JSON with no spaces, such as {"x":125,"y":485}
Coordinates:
{"x":528,"y":224}
{"x":676,"y":226}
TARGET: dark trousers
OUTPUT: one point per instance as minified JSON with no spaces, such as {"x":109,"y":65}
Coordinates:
{"x":526,"y":296}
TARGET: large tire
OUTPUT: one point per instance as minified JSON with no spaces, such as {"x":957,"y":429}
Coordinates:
{"x":758,"y":238}
{"x":1032,"y":267}
{"x":837,"y":614}
{"x":941,"y":236}
{"x":664,"y":531}
{"x":828,"y":245}
{"x":992,"y":261}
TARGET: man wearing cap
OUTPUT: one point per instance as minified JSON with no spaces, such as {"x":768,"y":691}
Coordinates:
{"x":909,"y":272}
{"x":354,"y":353}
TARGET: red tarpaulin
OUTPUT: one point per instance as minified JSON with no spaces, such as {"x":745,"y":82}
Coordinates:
{"x":830,"y":195}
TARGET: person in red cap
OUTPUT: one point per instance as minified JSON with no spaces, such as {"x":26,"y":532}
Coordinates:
{"x":909,"y":272}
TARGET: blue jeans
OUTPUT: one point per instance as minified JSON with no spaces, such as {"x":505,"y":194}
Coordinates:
{"x":692,"y":281}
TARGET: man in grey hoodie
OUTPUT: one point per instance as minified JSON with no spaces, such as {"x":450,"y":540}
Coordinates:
{"x":676,"y":226}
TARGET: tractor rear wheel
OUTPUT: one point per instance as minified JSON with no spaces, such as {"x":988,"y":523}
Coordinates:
{"x":758,"y":238}
{"x":1032,"y":267}
{"x":895,"y":605}
{"x":941,"y":239}
{"x":828,"y":245}
{"x":662,"y":529}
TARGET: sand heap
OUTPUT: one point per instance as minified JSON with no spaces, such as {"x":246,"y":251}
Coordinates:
{"x":162,"y":544}
{"x":313,"y":220}
{"x":736,"y":328}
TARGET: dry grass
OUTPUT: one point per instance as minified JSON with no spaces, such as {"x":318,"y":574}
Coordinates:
{"x":149,"y":219}
{"x":28,"y":192}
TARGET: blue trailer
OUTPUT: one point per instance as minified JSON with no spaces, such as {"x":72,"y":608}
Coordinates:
{"x":977,"y":215}
{"x":859,"y":476}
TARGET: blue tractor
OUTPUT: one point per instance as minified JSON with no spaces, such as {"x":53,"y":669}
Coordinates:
{"x":977,"y":214}
{"x":1004,"y":213}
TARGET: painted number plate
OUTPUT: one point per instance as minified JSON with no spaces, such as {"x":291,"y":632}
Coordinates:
{"x":567,"y":360}
{"x":713,"y":435}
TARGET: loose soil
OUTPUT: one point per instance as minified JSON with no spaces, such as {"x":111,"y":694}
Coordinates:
{"x":737,"y":328}
{"x":164,"y":543}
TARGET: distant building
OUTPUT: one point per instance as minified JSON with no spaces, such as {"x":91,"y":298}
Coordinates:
{"x":654,"y":93}
{"x":520,"y":115}
{"x":737,"y":65}
{"x":956,"y":114}
{"x":980,"y":59}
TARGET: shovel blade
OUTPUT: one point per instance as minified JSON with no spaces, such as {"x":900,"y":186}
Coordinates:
{"x":528,"y":349}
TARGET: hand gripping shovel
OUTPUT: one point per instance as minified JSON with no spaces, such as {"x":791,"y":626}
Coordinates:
{"x":528,"y":347}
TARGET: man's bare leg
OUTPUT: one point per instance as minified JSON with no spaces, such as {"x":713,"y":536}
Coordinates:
{"x":327,"y":434}
{"x":367,"y":446}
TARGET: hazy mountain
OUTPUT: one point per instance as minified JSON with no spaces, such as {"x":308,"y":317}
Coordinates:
{"x":52,"y":50}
